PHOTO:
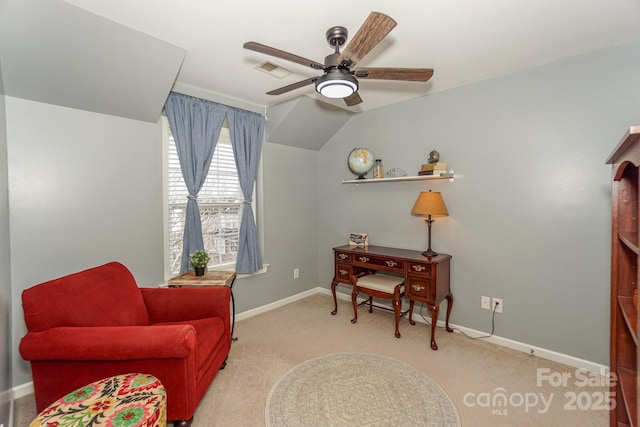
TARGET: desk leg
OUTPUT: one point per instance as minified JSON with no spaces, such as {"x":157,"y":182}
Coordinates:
{"x":334,"y":283}
{"x":435,"y":309}
{"x":411,"y":321}
{"x":449,"y":306}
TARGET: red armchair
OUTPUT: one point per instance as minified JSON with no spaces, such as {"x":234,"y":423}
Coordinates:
{"x":98,"y":323}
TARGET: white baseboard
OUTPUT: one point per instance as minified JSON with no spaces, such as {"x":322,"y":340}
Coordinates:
{"x":597,"y":368}
{"x":276,"y":304}
{"x":23,"y":390}
{"x":533,"y":350}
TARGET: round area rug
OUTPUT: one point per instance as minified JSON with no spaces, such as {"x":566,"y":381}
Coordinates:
{"x":358,"y":389}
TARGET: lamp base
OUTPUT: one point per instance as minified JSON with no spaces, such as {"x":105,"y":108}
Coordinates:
{"x":429,"y":253}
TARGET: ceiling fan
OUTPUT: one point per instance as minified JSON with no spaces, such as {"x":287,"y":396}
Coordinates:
{"x":339,"y":79}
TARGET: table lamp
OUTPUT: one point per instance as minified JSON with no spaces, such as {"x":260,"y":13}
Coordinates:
{"x":429,"y":204}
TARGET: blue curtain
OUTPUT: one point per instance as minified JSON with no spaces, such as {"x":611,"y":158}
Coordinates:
{"x":195,"y":125}
{"x":247,"y":130}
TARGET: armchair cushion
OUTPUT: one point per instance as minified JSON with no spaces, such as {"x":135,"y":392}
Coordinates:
{"x":109,"y":343}
{"x":102,"y":296}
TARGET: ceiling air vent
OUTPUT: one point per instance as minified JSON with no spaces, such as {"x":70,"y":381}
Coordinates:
{"x":273,"y":69}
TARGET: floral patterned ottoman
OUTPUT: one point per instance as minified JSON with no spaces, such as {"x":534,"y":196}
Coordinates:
{"x":130,"y":400}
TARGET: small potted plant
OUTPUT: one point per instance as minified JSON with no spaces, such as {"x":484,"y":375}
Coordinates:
{"x":199,"y":260}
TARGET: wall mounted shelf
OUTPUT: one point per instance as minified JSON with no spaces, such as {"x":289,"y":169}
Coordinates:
{"x":448,"y":176}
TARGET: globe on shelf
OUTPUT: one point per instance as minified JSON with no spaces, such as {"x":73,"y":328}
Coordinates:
{"x":360,"y":161}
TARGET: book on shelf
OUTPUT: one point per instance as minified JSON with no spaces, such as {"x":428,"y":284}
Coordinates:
{"x":432,"y":172}
{"x":434,"y":166}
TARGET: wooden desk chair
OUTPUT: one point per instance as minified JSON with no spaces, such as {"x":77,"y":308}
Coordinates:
{"x":379,"y":286}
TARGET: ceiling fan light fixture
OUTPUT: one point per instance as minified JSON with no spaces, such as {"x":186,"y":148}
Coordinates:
{"x":336,"y":85}
{"x":338,"y":81}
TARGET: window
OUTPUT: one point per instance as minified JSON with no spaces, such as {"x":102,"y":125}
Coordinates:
{"x":220,"y":202}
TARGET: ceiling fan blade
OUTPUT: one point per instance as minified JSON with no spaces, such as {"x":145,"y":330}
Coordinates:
{"x":353,"y":99}
{"x":292,"y":86}
{"x":258,"y":47}
{"x":375,"y":28}
{"x":406,"y":74}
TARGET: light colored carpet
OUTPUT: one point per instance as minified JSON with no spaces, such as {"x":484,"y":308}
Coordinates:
{"x":272,"y":343}
{"x":357,"y":390}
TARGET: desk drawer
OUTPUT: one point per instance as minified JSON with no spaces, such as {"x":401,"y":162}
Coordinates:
{"x":342,"y":256}
{"x":420,"y":268}
{"x":379,"y":263}
{"x":419,"y":288}
{"x":343,"y":273}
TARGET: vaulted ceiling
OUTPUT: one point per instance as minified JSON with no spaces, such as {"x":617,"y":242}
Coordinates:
{"x":122,"y":57}
{"x":464,"y":41}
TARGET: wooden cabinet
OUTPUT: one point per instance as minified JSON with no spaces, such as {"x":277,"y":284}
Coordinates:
{"x":624,"y":278}
{"x":428,"y":282}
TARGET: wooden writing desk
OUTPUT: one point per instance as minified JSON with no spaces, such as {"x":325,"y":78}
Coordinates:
{"x":425,"y":279}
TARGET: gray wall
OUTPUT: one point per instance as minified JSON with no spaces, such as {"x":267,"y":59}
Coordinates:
{"x":529,"y":209}
{"x":86,"y":188}
{"x":5,"y":271}
{"x":289,"y":208}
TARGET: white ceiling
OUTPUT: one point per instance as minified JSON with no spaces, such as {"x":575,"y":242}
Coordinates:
{"x":465,"y":41}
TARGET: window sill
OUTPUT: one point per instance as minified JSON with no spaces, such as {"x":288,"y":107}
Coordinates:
{"x":261,"y":271}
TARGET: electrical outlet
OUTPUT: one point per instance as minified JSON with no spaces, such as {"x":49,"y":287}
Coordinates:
{"x":296,"y":273}
{"x":498,"y":302}
{"x":485,"y":303}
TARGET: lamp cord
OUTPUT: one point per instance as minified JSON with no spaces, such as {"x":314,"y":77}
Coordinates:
{"x":493,"y":324}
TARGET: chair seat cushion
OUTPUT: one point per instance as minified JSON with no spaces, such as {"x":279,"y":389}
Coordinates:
{"x":380,"y":282}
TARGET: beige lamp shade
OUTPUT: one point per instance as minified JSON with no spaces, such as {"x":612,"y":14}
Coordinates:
{"x":430,"y":203}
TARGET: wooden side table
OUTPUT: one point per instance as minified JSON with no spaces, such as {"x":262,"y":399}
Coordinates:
{"x":210,"y":278}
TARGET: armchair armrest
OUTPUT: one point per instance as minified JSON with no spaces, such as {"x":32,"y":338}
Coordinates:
{"x":181,"y":304}
{"x":110,"y":343}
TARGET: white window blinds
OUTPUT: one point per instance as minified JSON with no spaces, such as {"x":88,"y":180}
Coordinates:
{"x":220,"y":202}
